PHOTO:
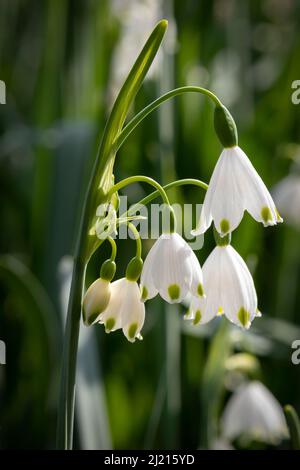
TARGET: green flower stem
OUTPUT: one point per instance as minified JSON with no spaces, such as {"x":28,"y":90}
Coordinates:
{"x":137,"y":179}
{"x":138,"y":118}
{"x":174,"y":184}
{"x":67,"y":392}
{"x":137,"y":238}
{"x":294,"y":426}
{"x":222,"y":241}
{"x":113,"y":248}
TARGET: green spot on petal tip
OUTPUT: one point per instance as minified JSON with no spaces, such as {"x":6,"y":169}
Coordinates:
{"x":266,"y":215}
{"x":224,"y":226}
{"x":244,"y":317}
{"x":132,"y":330}
{"x":109,"y":324}
{"x":174,"y":291}
{"x":197,"y":318}
{"x":144,"y":293}
{"x":92,"y":318}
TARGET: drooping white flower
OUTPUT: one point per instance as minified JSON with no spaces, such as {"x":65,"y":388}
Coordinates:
{"x":96,"y":300}
{"x":229,"y":289}
{"x":171,"y":269}
{"x":253,"y":412}
{"x":287,"y":196}
{"x":235,"y":186}
{"x":125,"y":309}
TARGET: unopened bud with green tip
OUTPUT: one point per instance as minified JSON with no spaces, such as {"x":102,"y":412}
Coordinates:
{"x":225,"y":127}
{"x":98,"y":294}
{"x":95,"y":301}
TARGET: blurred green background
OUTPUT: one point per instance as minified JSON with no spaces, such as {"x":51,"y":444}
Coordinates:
{"x":63,"y":62}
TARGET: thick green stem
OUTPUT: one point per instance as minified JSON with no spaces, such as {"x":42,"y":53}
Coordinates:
{"x":67,"y":393}
{"x":135,"y":121}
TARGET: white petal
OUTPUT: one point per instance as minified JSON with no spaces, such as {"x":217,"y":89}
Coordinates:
{"x":96,"y":299}
{"x":171,"y":272}
{"x":212,"y":282}
{"x":132,"y":311}
{"x":227,"y":204}
{"x":257,"y":199}
{"x":148,"y":289}
{"x":238,"y":292}
{"x":111,"y":317}
{"x":254,"y":412}
{"x":206,"y":213}
{"x":198,"y":311}
{"x":197,"y":276}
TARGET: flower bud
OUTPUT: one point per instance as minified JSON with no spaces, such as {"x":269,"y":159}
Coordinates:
{"x":225,"y":127}
{"x":95,"y":300}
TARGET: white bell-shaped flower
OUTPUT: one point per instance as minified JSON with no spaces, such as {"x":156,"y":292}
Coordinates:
{"x":253,"y":412}
{"x":96,"y":300}
{"x":229,"y":289}
{"x":235,"y":186}
{"x":125,"y":309}
{"x":171,"y":269}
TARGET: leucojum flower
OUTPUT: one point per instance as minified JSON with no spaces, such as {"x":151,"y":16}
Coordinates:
{"x":234,"y":187}
{"x":253,"y":413}
{"x":229,"y":289}
{"x":171,"y":268}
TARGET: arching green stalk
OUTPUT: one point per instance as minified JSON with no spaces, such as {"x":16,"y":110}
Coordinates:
{"x":137,"y":238}
{"x":113,"y":248}
{"x":140,"y":178}
{"x":174,"y":184}
{"x":138,"y":118}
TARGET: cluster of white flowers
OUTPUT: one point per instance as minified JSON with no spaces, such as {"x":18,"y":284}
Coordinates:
{"x":172,"y":270}
{"x":225,"y":286}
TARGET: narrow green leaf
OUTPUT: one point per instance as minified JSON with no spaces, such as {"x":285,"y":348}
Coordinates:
{"x":124,"y":100}
{"x":102,"y":176}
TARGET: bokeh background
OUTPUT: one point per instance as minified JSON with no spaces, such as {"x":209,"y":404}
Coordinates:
{"x":63,"y":61}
